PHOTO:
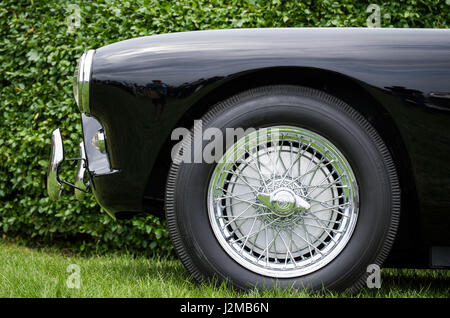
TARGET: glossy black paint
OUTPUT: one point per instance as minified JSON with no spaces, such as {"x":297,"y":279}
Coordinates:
{"x":143,"y":88}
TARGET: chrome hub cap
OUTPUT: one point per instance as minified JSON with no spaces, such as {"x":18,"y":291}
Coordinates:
{"x":283,"y":201}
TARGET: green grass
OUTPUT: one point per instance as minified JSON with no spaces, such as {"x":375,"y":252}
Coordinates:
{"x":28,"y":272}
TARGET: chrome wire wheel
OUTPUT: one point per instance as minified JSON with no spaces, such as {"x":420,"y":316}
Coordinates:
{"x":283,"y":201}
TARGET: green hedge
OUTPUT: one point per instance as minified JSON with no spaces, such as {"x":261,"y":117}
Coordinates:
{"x":37,"y":59}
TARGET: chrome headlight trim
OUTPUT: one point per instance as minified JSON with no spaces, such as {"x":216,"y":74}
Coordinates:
{"x":81,"y":81}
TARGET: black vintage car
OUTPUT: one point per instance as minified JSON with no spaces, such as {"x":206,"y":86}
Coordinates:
{"x":288,"y":157}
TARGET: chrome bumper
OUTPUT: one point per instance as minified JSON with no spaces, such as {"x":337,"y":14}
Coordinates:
{"x":54,"y":183}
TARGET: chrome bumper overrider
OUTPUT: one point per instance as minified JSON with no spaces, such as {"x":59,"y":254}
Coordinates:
{"x":54,"y":183}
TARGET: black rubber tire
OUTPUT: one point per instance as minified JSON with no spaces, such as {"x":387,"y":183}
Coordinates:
{"x":379,"y":210}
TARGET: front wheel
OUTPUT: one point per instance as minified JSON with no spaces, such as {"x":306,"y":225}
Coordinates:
{"x":307,"y":195}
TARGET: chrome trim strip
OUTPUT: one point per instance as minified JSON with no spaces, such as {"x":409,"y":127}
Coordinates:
{"x":441,"y":95}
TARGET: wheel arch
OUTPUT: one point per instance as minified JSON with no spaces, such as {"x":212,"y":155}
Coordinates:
{"x":355,"y":93}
